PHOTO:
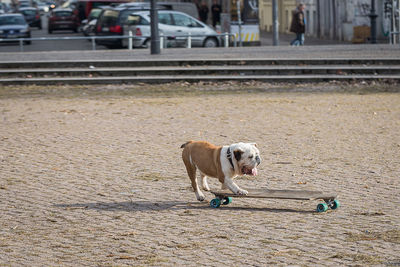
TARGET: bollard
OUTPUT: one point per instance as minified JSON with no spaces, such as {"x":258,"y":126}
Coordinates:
{"x":130,"y":40}
{"x":93,"y":44}
{"x":189,"y":41}
{"x":226,"y":39}
{"x":161,"y":41}
{"x":21,"y":45}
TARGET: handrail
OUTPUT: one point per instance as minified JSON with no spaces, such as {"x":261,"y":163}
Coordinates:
{"x":228,"y":37}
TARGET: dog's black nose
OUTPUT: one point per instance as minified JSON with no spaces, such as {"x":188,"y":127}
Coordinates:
{"x":258,"y":160}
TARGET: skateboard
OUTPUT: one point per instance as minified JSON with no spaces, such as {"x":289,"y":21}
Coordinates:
{"x":225,"y":197}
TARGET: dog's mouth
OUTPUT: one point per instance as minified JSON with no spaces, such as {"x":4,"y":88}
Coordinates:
{"x":247,"y":171}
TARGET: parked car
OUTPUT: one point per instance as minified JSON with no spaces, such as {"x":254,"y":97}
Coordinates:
{"x":110,"y":23}
{"x":14,"y":26}
{"x":88,"y":25}
{"x":4,"y":8}
{"x":172,"y":24}
{"x":24,"y":3}
{"x":43,"y":7}
{"x":32,"y":16}
{"x":63,"y":19}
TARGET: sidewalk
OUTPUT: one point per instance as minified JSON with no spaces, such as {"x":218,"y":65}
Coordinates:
{"x":347,"y":51}
{"x":285,"y":39}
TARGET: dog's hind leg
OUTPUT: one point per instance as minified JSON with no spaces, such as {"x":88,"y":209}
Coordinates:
{"x":204,"y":183}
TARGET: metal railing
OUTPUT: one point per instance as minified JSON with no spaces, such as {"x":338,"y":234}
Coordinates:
{"x":227,"y":39}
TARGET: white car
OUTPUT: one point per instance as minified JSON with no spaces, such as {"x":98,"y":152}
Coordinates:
{"x":174,"y":25}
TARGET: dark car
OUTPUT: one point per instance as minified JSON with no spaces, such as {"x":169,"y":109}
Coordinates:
{"x":14,"y":26}
{"x":111,"y":20}
{"x":32,"y":16}
{"x":63,"y":19}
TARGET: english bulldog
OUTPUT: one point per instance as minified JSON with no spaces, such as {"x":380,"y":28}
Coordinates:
{"x":222,"y":162}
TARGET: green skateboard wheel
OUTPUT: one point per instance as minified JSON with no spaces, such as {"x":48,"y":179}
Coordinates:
{"x":226,"y":200}
{"x":335,"y":204}
{"x":322,"y":207}
{"x":215,"y":203}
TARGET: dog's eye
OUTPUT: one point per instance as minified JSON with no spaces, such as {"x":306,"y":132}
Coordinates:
{"x":251,"y":156}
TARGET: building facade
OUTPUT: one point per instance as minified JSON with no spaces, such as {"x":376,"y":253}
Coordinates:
{"x":344,"y":20}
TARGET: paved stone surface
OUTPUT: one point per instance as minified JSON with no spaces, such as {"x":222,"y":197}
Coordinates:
{"x":97,"y":180}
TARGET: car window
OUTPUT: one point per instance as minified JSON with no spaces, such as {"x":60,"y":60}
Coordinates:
{"x":13,"y":20}
{"x":165,"y":18}
{"x":29,"y":12}
{"x":124,"y":15}
{"x":185,"y":21}
{"x":62,"y":13}
{"x":136,"y":20}
{"x":109,"y":18}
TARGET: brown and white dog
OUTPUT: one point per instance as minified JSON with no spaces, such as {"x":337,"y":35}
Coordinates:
{"x":222,"y":162}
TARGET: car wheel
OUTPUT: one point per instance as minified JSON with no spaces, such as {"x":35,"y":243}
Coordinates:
{"x":210,"y":42}
{"x":28,"y":42}
{"x":50,"y":31}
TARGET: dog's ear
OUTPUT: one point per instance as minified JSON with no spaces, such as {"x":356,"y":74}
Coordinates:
{"x":254,"y":144}
{"x":238,"y":154}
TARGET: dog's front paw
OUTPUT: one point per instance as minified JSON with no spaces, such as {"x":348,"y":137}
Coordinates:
{"x":242,"y":192}
{"x":200,"y":196}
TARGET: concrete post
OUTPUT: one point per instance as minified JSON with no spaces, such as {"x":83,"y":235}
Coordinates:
{"x":189,"y":41}
{"x":130,"y":40}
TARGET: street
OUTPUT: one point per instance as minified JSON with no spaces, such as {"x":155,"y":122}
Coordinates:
{"x":52,"y":45}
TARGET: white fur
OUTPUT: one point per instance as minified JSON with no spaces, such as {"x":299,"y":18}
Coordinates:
{"x":248,"y":149}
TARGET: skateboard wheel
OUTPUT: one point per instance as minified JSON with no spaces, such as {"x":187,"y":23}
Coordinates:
{"x":215,"y":203}
{"x":322,"y":207}
{"x":226,"y":200}
{"x":335,"y":204}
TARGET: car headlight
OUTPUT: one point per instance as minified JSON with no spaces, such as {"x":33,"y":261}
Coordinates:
{"x":25,"y":30}
{"x":1,"y":31}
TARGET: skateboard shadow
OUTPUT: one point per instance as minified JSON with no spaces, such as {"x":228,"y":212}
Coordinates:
{"x":136,"y":206}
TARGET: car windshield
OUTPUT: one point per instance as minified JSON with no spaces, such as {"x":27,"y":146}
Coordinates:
{"x":63,"y":13}
{"x":12,"y":20}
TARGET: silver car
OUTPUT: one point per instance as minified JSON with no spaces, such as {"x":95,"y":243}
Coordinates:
{"x":175,"y":26}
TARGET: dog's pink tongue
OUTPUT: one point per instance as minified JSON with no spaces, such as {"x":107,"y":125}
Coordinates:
{"x":254,"y":171}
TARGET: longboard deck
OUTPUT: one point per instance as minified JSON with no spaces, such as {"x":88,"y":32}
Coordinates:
{"x":279,"y":194}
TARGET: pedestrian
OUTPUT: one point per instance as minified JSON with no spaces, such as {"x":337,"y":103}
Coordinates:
{"x":216,"y":13}
{"x":203,"y":11}
{"x":298,"y":25}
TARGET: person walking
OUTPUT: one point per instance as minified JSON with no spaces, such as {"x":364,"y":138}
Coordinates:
{"x":203,"y":11}
{"x":216,"y":13}
{"x":298,"y":25}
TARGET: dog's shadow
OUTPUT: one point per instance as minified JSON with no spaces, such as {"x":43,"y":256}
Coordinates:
{"x":142,"y":205}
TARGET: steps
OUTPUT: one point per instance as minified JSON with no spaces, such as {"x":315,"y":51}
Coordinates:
{"x":161,"y":71}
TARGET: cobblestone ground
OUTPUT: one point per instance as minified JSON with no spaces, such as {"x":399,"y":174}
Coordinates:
{"x":99,"y":181}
